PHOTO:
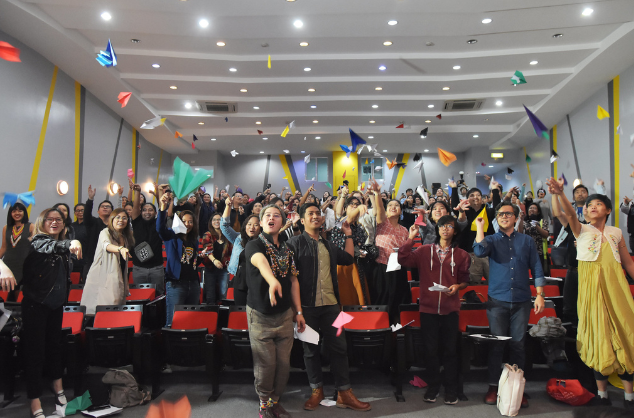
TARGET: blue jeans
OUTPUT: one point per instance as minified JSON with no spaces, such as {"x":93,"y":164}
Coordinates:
{"x":216,"y":283}
{"x":180,"y":293}
{"x":508,"y":319}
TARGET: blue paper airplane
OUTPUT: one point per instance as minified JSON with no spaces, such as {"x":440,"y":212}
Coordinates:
{"x":356,"y":140}
{"x":107,"y":58}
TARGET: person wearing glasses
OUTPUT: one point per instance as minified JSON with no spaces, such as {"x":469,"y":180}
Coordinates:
{"x":443,"y":263}
{"x":46,"y":274}
{"x":107,"y":280}
{"x":511,"y":254}
{"x":94,"y":226}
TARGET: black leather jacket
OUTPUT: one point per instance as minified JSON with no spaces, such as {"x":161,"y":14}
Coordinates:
{"x":306,"y":259}
{"x":47,"y":271}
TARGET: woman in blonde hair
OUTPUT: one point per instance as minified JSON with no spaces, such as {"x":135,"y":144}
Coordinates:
{"x":45,"y":276}
{"x":107,"y":280}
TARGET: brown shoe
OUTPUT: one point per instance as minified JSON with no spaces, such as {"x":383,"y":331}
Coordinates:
{"x":524,"y":402}
{"x":346,"y":399}
{"x":491,"y":398}
{"x":315,"y":398}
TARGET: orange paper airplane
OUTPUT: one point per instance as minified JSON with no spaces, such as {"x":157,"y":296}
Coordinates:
{"x":178,"y":135}
{"x":446,"y":157}
{"x":9,"y":53}
{"x":390,"y":164}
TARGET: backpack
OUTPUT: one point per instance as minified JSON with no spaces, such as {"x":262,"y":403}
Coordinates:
{"x":124,"y":390}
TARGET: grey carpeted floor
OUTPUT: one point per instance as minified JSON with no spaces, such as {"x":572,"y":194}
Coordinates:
{"x":239,"y":400}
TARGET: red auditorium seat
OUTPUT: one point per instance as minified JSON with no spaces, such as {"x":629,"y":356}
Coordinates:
{"x":236,"y":334}
{"x":368,"y":335}
{"x":73,"y":318}
{"x":145,"y":291}
{"x":116,"y":316}
{"x":474,"y":314}
{"x":75,"y":277}
{"x":76,"y":290}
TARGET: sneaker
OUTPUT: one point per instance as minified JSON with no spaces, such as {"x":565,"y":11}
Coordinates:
{"x":451,"y":399}
{"x":166,"y":369}
{"x":60,"y":398}
{"x":37,"y":414}
{"x":431,"y":394}
{"x":599,"y":401}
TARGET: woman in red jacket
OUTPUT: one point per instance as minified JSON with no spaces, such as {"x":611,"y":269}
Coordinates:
{"x":444,"y":264}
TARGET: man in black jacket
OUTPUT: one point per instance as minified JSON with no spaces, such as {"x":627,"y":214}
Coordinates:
{"x":317,"y":261}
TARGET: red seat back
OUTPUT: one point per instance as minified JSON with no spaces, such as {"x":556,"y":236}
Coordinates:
{"x":548,"y":312}
{"x":4,"y":294}
{"x":75,"y":295}
{"x":550,"y":290}
{"x":367,"y":320}
{"x":196,"y":320}
{"x":230,"y":293}
{"x":477,"y":317}
{"x":73,"y":320}
{"x":20,"y":297}
{"x":415,"y":294}
{"x":238,"y":320}
{"x":118,"y":319}
{"x":558,"y":273}
{"x":75,"y":277}
{"x":481,"y":289}
{"x":407,"y":316}
{"x":141,"y":294}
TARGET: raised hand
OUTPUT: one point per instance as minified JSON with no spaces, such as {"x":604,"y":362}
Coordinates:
{"x":75,"y":248}
{"x":626,"y":200}
{"x":311,"y":188}
{"x":91,"y":192}
{"x":413,"y":231}
{"x":229,"y":201}
{"x":346,"y":229}
{"x":554,"y":187}
{"x":452,"y":183}
{"x":462,"y":206}
{"x":480,"y":223}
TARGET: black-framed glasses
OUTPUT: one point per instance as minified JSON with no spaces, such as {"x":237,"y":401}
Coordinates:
{"x":506,"y":214}
{"x":446,"y":226}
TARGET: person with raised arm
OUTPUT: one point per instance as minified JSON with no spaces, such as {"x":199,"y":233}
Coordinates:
{"x":317,"y":260}
{"x":511,"y":254}
{"x":605,"y":330}
{"x":273,"y":304}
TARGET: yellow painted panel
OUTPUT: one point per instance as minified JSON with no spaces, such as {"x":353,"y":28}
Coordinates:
{"x":342,"y":164}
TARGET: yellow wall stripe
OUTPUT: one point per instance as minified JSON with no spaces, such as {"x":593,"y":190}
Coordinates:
{"x":158,"y":173}
{"x":401,"y":172}
{"x":287,"y":173}
{"x":530,"y":179}
{"x":40,"y":144}
{"x":77,"y":137}
{"x":134,"y":148}
{"x":616,"y":118}
{"x":554,"y":149}
{"x":342,"y":164}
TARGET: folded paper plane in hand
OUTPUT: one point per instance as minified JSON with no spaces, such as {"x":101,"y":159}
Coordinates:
{"x":130,"y":173}
{"x":420,"y":221}
{"x":563,"y":177}
{"x":342,"y":320}
{"x":178,"y":226}
{"x":9,"y":53}
{"x":153,"y":123}
{"x":124,"y":97}
{"x":438,"y":288}
{"x":107,"y":58}
{"x":392,"y":263}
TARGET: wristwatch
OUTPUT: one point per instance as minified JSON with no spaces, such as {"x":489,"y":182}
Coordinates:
{"x":348,"y":236}
{"x":299,"y":313}
{"x":542,"y":294}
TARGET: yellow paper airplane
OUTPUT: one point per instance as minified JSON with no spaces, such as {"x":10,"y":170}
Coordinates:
{"x":602,"y":113}
{"x":483,"y":215}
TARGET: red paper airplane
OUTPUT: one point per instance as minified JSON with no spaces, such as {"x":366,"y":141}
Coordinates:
{"x":260,"y":132}
{"x":402,"y":125}
{"x":439,"y":116}
{"x":9,"y":52}
{"x":124,"y":97}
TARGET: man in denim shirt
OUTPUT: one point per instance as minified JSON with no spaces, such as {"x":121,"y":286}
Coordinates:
{"x":511,"y":254}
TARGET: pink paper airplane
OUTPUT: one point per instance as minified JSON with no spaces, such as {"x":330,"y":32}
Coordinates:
{"x":342,"y":320}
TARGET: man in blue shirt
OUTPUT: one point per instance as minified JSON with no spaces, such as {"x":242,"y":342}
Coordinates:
{"x":511,"y":254}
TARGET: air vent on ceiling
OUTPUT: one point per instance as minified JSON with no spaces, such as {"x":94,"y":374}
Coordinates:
{"x":463,"y":105}
{"x":217,"y":107}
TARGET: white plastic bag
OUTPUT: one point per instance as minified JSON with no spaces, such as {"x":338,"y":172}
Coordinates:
{"x":511,"y":390}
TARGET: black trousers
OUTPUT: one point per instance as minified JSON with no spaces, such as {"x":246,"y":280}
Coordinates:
{"x":42,"y":342}
{"x":440,"y":334}
{"x":240,"y":297}
{"x":571,"y":292}
{"x":320,"y":319}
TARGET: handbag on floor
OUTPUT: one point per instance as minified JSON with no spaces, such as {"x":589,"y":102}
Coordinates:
{"x":511,"y":390}
{"x":569,"y":391}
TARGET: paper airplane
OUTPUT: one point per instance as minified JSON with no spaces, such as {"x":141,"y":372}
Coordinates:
{"x":178,"y":135}
{"x":538,"y":126}
{"x":553,"y":156}
{"x":130,"y":173}
{"x":107,"y":58}
{"x":417,"y":156}
{"x":401,"y":126}
{"x":420,"y":221}
{"x":193,"y":146}
{"x":507,"y":176}
{"x":446,"y":157}
{"x":419,"y":165}
{"x":285,"y":131}
{"x":483,"y":215}
{"x":378,"y":168}
{"x":518,"y":78}
{"x":292,"y":124}
{"x":286,"y":151}
{"x":602,"y":113}
{"x":226,"y":119}
{"x":390,"y":164}
{"x":179,"y":409}
{"x":178,"y":227}
{"x":260,"y":132}
{"x":346,"y":149}
{"x":423,"y":133}
{"x":124,"y":97}
{"x":528,"y":158}
{"x":563,"y":177}
{"x":343,"y":319}
{"x":356,"y":140}
{"x":307,"y":159}
{"x":439,"y":116}
{"x":234,"y":153}
{"x":619,"y":130}
{"x":9,"y":53}
{"x":344,"y":174}
{"x":438,"y":288}
{"x":153,"y":123}
{"x":509,"y":170}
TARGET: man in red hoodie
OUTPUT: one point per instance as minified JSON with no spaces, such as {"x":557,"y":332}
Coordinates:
{"x":446,"y":265}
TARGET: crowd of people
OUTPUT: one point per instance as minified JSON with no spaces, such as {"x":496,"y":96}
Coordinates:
{"x":295,"y":259}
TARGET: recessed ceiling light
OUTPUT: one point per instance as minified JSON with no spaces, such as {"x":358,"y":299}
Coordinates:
{"x":472,"y":41}
{"x":290,"y":0}
{"x":106,"y":16}
{"x":486,"y":119}
{"x":315,"y":121}
{"x":428,"y":121}
{"x":317,"y":137}
{"x":286,"y":151}
{"x":261,"y":152}
{"x":445,"y":88}
{"x":387,"y":43}
{"x":258,"y":123}
{"x":430,"y":43}
{"x":173,"y":87}
{"x":371,"y":137}
{"x":298,"y":23}
{"x":372,"y":121}
{"x":378,"y":88}
{"x":220,"y":43}
{"x":456,"y":67}
{"x":487,"y":20}
{"x":188,"y":105}
{"x":490,"y":166}
{"x":382,"y":68}
{"x":558,"y":35}
{"x":303,"y":152}
{"x":156,"y":65}
{"x":307,"y":69}
{"x":233,"y":70}
{"x":213,"y":139}
{"x":375,"y":106}
{"x":384,"y":150}
{"x":425,"y":150}
{"x":476,"y":136}
{"x":586,"y":12}
{"x":256,"y":107}
{"x":203,"y":23}
{"x":201,"y":123}
{"x":313,"y":106}
{"x":303,"y":44}
{"x":430,"y":106}
{"x":135,"y":41}
{"x":265,"y":138}
{"x":311,"y":90}
{"x":534,"y":62}
{"x":392,"y":22}
{"x":243,"y":90}
{"x":499,"y":103}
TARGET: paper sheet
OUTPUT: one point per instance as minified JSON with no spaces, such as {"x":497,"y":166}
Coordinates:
{"x":103,"y":412}
{"x":5,"y":315}
{"x":392,"y":263}
{"x":328,"y":402}
{"x":489,"y":337}
{"x":438,"y":288}
{"x":309,"y":335}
